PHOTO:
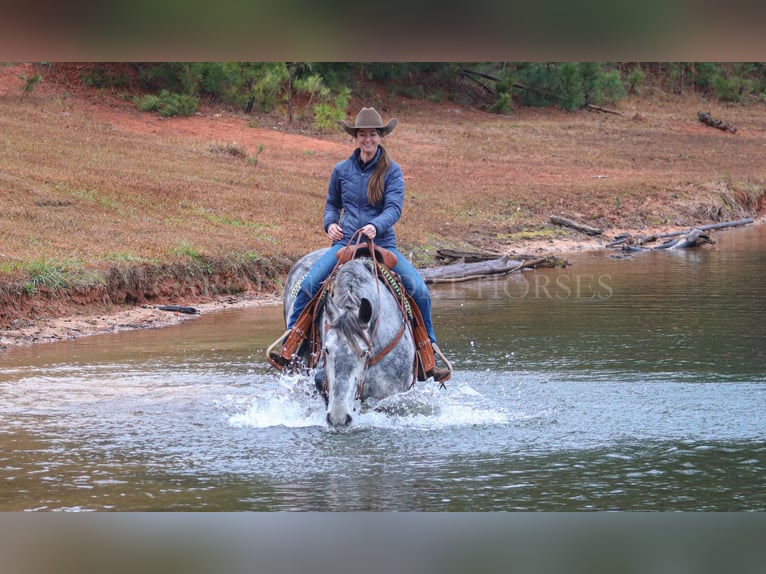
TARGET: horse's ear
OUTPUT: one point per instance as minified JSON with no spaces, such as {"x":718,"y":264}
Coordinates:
{"x":365,"y":310}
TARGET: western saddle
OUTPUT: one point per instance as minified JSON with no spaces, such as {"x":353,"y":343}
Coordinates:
{"x":304,"y":336}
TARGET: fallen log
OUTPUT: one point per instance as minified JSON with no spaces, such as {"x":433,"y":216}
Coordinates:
{"x":178,"y":309}
{"x":706,"y":118}
{"x":466,"y":256}
{"x":643,"y":239}
{"x":602,"y":109}
{"x":628,"y":239}
{"x":694,"y":238}
{"x":476,"y":270}
{"x":587,"y":229}
{"x":707,"y":227}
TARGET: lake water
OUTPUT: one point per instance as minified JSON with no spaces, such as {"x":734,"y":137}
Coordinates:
{"x":612,"y":384}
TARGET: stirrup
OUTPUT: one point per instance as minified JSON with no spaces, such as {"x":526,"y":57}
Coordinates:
{"x":441,"y":375}
{"x":276,"y":359}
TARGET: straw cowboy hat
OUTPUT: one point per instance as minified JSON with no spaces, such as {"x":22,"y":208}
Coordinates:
{"x":369,"y":118}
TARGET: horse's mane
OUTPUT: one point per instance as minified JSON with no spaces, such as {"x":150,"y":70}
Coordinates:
{"x":354,"y":282}
{"x":352,"y":330}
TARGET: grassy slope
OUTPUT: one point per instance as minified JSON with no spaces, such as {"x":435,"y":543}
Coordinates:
{"x":122,"y":207}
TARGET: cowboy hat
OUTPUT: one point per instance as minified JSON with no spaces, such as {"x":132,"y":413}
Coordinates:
{"x":369,"y":118}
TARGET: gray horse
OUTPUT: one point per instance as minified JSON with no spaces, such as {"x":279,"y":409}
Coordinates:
{"x":367,"y":345}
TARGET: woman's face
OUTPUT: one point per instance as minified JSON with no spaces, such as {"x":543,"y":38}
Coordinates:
{"x":368,"y":141}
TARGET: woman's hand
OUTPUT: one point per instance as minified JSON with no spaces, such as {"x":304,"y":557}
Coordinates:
{"x":369,"y":231}
{"x":335,"y":232}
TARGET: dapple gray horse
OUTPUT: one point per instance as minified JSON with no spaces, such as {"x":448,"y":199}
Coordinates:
{"x":361,"y":319}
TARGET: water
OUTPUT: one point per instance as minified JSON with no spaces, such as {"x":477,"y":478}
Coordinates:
{"x":631,"y":384}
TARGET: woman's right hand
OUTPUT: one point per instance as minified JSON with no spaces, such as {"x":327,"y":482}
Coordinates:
{"x":335,"y":232}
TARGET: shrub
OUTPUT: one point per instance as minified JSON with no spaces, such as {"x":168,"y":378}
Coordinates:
{"x":214,"y":79}
{"x":635,"y":80}
{"x":705,"y":74}
{"x":502,"y":104}
{"x":169,"y":104}
{"x":569,"y":85}
{"x":267,"y":85}
{"x":149,"y":103}
{"x":29,"y":83}
{"x":171,"y":76}
{"x":328,"y":114}
{"x":100,"y":77}
{"x":732,"y":89}
{"x":608,"y":88}
{"x":552,"y":84}
{"x":311,"y":85}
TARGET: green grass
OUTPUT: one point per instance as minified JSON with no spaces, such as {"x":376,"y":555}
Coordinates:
{"x":544,"y":233}
{"x":45,"y":274}
{"x":129,"y":258}
{"x":197,"y":262}
{"x":186,"y":249}
{"x":52,"y":274}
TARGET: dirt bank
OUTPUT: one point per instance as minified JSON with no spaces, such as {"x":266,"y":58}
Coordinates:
{"x":107,"y":212}
{"x":67,"y":328}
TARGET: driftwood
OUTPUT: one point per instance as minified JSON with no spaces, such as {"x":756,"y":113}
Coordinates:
{"x":694,"y":238}
{"x":587,"y":229}
{"x":640,"y":240}
{"x":706,"y":118}
{"x":466,"y":256}
{"x":467,"y":271}
{"x":178,"y":309}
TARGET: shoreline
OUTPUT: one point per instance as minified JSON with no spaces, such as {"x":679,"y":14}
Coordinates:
{"x":72,"y":327}
{"x":145,"y":316}
{"x":135,"y":318}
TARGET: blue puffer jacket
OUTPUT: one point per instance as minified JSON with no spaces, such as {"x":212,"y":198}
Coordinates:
{"x":347,"y":203}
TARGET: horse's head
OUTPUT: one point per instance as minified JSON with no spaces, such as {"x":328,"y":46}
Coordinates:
{"x":347,"y":345}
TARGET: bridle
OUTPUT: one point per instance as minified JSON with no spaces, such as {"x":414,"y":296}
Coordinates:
{"x":370,"y":359}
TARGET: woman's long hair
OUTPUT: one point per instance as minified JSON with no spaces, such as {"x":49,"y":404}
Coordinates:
{"x":378,"y":179}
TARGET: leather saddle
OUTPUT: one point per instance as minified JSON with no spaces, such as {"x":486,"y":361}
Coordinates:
{"x":380,"y":254}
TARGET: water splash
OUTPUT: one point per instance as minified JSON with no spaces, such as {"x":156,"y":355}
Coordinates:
{"x":293,"y":402}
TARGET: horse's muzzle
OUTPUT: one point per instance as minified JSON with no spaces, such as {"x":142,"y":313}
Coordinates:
{"x":333,"y":423}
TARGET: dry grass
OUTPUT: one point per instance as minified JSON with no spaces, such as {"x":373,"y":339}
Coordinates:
{"x":73,"y":185}
{"x":92,"y":184}
{"x":486,"y":176}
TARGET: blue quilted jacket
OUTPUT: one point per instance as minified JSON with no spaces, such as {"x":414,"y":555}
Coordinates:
{"x":347,"y":203}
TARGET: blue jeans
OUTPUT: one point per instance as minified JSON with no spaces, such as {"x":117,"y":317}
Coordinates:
{"x":411,"y":280}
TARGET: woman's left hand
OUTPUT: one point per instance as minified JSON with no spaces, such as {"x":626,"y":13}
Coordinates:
{"x":369,"y":231}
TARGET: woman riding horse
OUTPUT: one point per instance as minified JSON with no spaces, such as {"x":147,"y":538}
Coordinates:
{"x":365,"y":194}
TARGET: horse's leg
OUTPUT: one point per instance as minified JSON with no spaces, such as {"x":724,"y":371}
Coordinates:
{"x":320,"y":380}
